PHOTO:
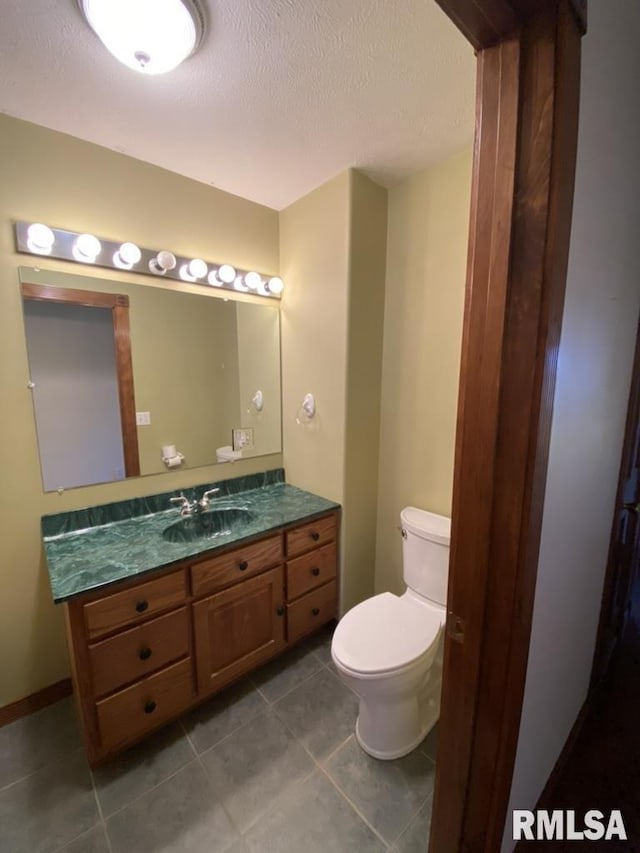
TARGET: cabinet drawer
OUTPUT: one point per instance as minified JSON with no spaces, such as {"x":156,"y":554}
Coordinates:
{"x":311,"y":570}
{"x":311,"y":611}
{"x":312,"y":535}
{"x":218,"y":572}
{"x":137,"y":709}
{"x":134,"y":604}
{"x":139,"y":651}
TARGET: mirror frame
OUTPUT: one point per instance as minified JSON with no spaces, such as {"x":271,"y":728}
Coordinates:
{"x":119,"y":306}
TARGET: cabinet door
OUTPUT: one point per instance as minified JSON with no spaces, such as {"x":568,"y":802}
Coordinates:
{"x":238,"y":628}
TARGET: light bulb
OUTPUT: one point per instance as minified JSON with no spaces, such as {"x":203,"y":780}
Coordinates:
{"x":253,"y":280}
{"x":40,"y":238}
{"x":185,"y":275}
{"x":227,"y":273}
{"x":162,"y":263}
{"x":197,"y":268}
{"x":87,"y":248}
{"x":213,"y":279}
{"x":150,"y":36}
{"x":127,"y":255}
{"x":275,"y":285}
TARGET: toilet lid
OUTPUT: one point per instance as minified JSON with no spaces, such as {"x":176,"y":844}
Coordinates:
{"x":386,"y":632}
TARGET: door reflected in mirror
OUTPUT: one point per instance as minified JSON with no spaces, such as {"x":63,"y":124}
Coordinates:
{"x":196,"y":365}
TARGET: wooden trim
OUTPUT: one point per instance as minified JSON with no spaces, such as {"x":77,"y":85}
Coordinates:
{"x":476,"y":435}
{"x":126,"y":392}
{"x":88,"y":298}
{"x":528,"y":90}
{"x":483,"y":22}
{"x":118,"y":303}
{"x":604,"y":649}
{"x":35,"y":702}
{"x":580,"y":12}
{"x":527,"y":10}
{"x":542,"y":231}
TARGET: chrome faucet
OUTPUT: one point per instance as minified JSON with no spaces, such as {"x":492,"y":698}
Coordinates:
{"x":194,"y":507}
{"x":187,"y":507}
{"x":204,"y":501}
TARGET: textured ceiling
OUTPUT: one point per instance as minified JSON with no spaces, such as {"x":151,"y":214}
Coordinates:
{"x":281,"y":96}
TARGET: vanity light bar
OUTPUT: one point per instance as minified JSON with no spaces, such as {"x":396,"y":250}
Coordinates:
{"x":35,"y":238}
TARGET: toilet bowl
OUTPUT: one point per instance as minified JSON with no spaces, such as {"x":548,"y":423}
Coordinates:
{"x":388,"y":649}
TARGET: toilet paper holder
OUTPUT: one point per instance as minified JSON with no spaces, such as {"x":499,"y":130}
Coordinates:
{"x":171,"y":457}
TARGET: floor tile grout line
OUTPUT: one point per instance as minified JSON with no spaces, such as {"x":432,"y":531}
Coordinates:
{"x":149,"y":790}
{"x":354,"y":807}
{"x":75,"y":838}
{"x":219,"y":801}
{"x":267,"y":710}
{"x":189,"y":741}
{"x":412,"y":818}
{"x":277,"y":802}
{"x":100,"y":811}
{"x":39,"y":769}
{"x":333,"y":751}
{"x":298,"y":740}
{"x":295,"y":687}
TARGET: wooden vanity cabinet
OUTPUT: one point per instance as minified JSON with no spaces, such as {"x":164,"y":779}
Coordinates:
{"x":238,"y":628}
{"x":143,"y":652}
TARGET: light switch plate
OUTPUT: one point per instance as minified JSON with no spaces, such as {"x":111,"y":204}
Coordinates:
{"x":143,"y":418}
{"x":243,"y":439}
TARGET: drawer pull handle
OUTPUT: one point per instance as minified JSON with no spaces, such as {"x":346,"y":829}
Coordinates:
{"x":149,"y":706}
{"x":243,"y":565}
{"x":315,"y":571}
{"x":280,"y":611}
{"x":141,"y":606}
{"x":315,"y":611}
{"x":314,"y":535}
{"x":144,"y":654}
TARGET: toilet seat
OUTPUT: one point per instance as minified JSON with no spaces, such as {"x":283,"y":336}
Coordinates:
{"x":386,"y":633}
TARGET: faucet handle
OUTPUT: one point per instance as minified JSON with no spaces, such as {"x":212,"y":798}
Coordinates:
{"x":204,"y":500}
{"x":185,"y":504}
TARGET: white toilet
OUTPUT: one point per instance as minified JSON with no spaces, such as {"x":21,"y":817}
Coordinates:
{"x":388,"y":649}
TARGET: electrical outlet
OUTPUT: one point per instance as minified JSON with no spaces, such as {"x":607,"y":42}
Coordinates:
{"x":243,"y":439}
{"x":143,"y":418}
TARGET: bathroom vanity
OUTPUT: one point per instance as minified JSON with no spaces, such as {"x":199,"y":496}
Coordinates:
{"x":156,"y":625}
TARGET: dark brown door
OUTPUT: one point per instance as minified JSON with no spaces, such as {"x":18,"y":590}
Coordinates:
{"x":624,"y":550}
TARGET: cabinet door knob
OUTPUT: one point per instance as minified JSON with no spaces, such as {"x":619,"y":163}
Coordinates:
{"x":144,"y":653}
{"x":149,"y":706}
{"x":280,"y":611}
{"x":315,"y":535}
{"x":243,"y":565}
{"x":315,"y":611}
{"x":315,"y":571}
{"x":141,"y":606}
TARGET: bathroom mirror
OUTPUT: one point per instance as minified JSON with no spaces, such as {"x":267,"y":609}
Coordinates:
{"x":205,"y":377}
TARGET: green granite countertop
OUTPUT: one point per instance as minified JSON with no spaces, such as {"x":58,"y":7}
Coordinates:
{"x":89,"y":549}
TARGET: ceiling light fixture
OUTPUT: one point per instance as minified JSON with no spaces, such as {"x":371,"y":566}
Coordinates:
{"x":150,"y":36}
{"x":37,"y":238}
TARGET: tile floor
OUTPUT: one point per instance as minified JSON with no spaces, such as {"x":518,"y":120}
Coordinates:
{"x":271,"y":764}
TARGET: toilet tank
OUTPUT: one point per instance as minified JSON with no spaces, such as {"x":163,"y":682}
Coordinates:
{"x":425,"y":552}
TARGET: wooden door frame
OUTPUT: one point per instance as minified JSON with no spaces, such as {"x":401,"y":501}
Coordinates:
{"x":119,"y":306}
{"x":522,"y":194}
{"x":603,"y":652}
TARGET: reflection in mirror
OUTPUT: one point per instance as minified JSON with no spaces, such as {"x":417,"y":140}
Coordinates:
{"x":197,"y":364}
